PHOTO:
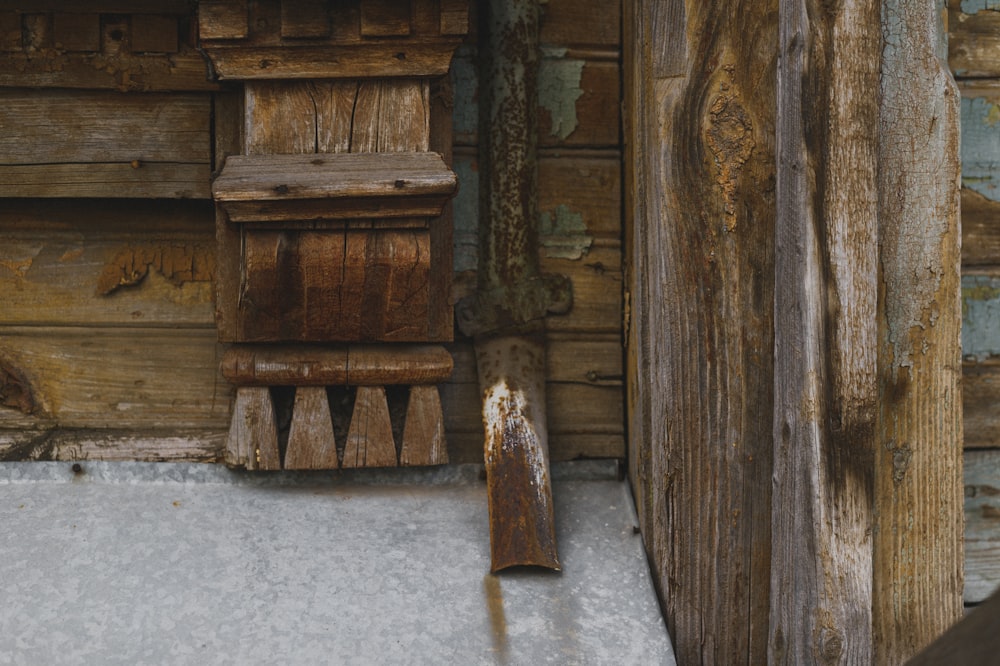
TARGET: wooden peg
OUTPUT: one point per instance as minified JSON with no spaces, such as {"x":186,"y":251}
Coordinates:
{"x":310,"y":440}
{"x":369,"y":439}
{"x":253,"y":434}
{"x":423,"y":434}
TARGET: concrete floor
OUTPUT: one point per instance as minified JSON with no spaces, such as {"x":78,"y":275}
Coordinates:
{"x":133,"y":563}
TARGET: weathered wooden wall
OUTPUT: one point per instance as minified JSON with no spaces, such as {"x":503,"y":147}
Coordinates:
{"x":107,"y":333}
{"x":974,"y":56}
{"x":793,"y":338}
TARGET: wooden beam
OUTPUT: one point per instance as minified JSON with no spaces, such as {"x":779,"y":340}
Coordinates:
{"x":700,"y":87}
{"x":825,"y":333}
{"x":918,"y":479}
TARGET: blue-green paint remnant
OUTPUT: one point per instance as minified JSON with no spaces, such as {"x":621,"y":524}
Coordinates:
{"x":980,"y":316}
{"x":564,"y":234}
{"x":973,"y":6}
{"x":465,"y":114}
{"x":466,"y":213}
{"x":981,"y":146}
{"x":559,"y":89}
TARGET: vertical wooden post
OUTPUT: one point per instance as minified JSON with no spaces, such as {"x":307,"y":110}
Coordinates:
{"x":825,"y":332}
{"x":700,"y":81}
{"x":918,"y":474}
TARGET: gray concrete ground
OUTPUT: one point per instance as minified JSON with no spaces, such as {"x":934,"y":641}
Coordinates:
{"x":133,"y":563}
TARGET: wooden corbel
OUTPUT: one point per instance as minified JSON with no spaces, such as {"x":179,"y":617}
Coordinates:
{"x":334,"y":229}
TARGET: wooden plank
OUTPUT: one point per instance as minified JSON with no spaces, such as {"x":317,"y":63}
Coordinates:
{"x":154,"y":34}
{"x":107,"y":180}
{"x":138,"y":378}
{"x":391,"y":116}
{"x":310,"y":440}
{"x":423,"y":433}
{"x":581,"y":23}
{"x":700,"y":333}
{"x":578,"y":103}
{"x":334,"y":115}
{"x":381,"y":59}
{"x":223,"y":19}
{"x":112,"y":219}
{"x":305,"y":19}
{"x":973,"y":39}
{"x":292,"y":102}
{"x":273,"y":188}
{"x":917,"y":541}
{"x":385,"y":18}
{"x":980,"y":229}
{"x":253,"y":436}
{"x":597,"y":291}
{"x":62,"y":127}
{"x":982,"y":524}
{"x":581,"y":195}
{"x":369,"y":439}
{"x":169,"y":445}
{"x":121,"y":71}
{"x":65,"y":278}
{"x":980,"y":397}
{"x":77,"y":32}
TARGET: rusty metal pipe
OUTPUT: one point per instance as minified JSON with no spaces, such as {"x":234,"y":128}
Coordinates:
{"x":506,"y":315}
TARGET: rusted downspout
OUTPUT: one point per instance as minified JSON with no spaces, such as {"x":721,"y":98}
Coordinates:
{"x":507,"y":314}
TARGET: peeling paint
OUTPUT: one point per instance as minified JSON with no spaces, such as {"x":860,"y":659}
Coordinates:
{"x":981,"y":146}
{"x":564,"y":235}
{"x":177,"y":263}
{"x":973,"y":6}
{"x":559,"y":89}
{"x":980,"y":316}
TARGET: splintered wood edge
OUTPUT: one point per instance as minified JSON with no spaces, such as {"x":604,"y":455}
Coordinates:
{"x":355,"y":365}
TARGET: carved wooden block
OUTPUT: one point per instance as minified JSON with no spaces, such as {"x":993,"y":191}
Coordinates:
{"x":369,"y":440}
{"x":423,"y":433}
{"x":253,"y":435}
{"x":310,"y":440}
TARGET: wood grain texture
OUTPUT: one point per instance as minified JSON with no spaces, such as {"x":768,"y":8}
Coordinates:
{"x":228,"y":133}
{"x":980,"y":397}
{"x":918,"y":541}
{"x":699,"y":330}
{"x":581,"y":23}
{"x":354,"y":365}
{"x":223,"y":19}
{"x":253,"y":436}
{"x":982,"y":524}
{"x":68,"y":278}
{"x":825,"y":334}
{"x":385,"y":18}
{"x":139,"y":378}
{"x":78,"y":32}
{"x":326,"y":286}
{"x":980,"y":229}
{"x":72,"y":144}
{"x":369,"y":439}
{"x":423,"y":434}
{"x":105,"y":444}
{"x":305,"y":19}
{"x":310,"y":439}
{"x":276,"y":188}
{"x":155,"y":34}
{"x":973,"y":40}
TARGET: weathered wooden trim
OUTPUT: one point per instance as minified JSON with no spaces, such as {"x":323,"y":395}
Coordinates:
{"x":917,"y":581}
